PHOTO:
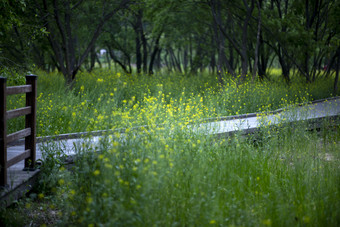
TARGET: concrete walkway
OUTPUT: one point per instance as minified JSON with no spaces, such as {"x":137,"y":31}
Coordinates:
{"x":315,"y":111}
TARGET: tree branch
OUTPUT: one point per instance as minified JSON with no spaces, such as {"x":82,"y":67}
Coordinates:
{"x":122,"y":5}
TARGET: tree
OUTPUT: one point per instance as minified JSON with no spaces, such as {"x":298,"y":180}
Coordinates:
{"x":243,"y":15}
{"x":183,"y":35}
{"x":62,"y":20}
{"x":18,"y":31}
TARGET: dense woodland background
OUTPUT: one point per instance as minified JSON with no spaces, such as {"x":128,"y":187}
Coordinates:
{"x":230,"y":38}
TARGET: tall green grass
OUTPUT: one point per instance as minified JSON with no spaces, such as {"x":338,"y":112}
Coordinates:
{"x":171,"y":177}
{"x":167,"y":175}
{"x":106,"y":99}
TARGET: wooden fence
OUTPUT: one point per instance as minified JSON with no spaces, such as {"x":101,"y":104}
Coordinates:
{"x":29,"y":133}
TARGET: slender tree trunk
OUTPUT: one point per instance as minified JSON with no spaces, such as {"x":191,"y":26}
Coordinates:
{"x":257,"y":42}
{"x":306,"y":66}
{"x":216,"y":9}
{"x":108,"y":59}
{"x":166,"y":59}
{"x":93,"y":59}
{"x":174,"y":60}
{"x":142,"y":40}
{"x":244,"y":46}
{"x":250,"y":65}
{"x":190,"y":53}
{"x":158,"y":59}
{"x":240,"y":47}
{"x":197,"y":61}
{"x":263,"y":59}
{"x":39,"y":56}
{"x":115,"y":59}
{"x":185,"y":59}
{"x":285,"y":66}
{"x":138,"y":53}
{"x":231,"y":57}
{"x":335,"y":90}
{"x":98,"y":61}
{"x":154,"y":53}
{"x":145,"y":54}
{"x":212,"y":58}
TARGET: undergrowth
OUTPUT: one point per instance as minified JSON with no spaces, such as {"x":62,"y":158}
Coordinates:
{"x":106,"y":99}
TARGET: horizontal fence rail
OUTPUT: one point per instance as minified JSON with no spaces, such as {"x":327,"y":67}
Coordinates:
{"x":18,"y":89}
{"x":19,"y":112}
{"x":29,"y":132}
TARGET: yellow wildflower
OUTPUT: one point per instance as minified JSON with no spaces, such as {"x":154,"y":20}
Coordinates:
{"x":96,"y":172}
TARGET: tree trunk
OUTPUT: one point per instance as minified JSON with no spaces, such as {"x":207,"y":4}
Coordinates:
{"x":108,"y":59}
{"x":185,"y":59}
{"x":285,"y":66}
{"x":335,"y":90}
{"x":138,"y":54}
{"x":154,"y":54}
{"x":190,"y":53}
{"x":244,"y":45}
{"x":219,"y":38}
{"x":212,"y":59}
{"x":116,"y":60}
{"x":93,"y":59}
{"x":175,"y":61}
{"x":257,"y":42}
{"x":40,"y":58}
{"x":142,"y":40}
{"x":166,"y":59}
{"x":241,"y":48}
{"x":216,"y":8}
{"x":263,"y":59}
{"x":64,"y":51}
{"x":158,"y":59}
{"x":98,"y":61}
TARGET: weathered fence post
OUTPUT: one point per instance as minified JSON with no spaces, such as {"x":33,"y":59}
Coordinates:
{"x":30,"y":121}
{"x":3,"y":132}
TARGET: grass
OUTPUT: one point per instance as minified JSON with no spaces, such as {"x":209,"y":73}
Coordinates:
{"x":171,"y":176}
{"x":281,"y":177}
{"x":35,"y":210}
{"x":108,"y":100}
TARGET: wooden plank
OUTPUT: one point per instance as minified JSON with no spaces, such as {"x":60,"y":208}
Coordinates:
{"x":19,"y":186}
{"x":18,"y":135}
{"x":3,"y":133}
{"x":19,"y":158}
{"x":18,"y":89}
{"x":19,"y":112}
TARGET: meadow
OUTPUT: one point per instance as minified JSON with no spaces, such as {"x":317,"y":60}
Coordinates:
{"x":171,"y":176}
{"x":107,"y":99}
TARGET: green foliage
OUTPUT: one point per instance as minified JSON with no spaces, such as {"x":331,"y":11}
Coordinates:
{"x":109,"y":100}
{"x":10,"y":14}
{"x":37,"y":209}
{"x":53,"y":160}
{"x":171,"y":176}
{"x":14,"y":78}
{"x":177,"y":35}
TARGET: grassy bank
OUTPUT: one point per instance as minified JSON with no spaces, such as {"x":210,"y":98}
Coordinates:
{"x":170,"y":176}
{"x":107,"y":100}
